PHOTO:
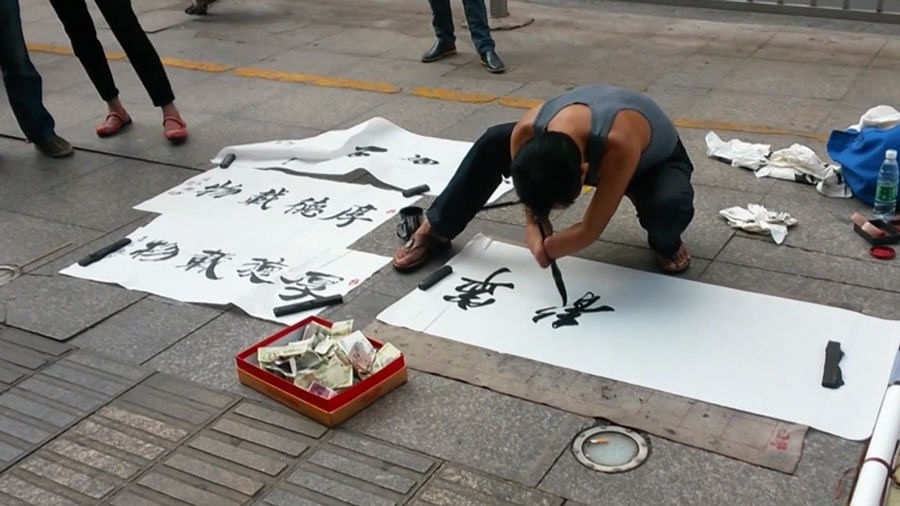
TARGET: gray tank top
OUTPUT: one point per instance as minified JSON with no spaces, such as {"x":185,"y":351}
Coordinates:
{"x":605,"y":102}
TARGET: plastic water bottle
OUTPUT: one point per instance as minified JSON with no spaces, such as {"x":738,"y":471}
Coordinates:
{"x":886,"y":188}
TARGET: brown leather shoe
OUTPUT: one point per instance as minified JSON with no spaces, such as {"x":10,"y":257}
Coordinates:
{"x":418,"y":250}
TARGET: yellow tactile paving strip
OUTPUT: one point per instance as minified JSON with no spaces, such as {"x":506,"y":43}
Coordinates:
{"x":432,"y":93}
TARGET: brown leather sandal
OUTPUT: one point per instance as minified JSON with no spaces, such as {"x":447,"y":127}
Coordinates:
{"x":418,"y":250}
{"x":662,"y":259}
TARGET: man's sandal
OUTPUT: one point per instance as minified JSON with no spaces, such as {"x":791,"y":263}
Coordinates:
{"x":418,"y":250}
{"x":113,"y":124}
{"x":175,"y":135}
{"x":662,"y":260}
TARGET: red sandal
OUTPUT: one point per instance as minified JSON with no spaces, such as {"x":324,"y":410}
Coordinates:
{"x":113,"y":124}
{"x":175,"y":135}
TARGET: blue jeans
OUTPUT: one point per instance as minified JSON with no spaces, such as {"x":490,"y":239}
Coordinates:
{"x":476,"y":17}
{"x":22,"y":81}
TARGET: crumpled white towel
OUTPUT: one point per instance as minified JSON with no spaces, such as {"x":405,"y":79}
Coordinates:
{"x":797,"y":163}
{"x":759,"y":220}
{"x":883,"y":116}
{"x":739,"y":153}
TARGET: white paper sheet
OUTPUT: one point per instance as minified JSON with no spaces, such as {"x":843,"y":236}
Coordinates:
{"x":204,"y":261}
{"x":391,"y":154}
{"x":743,"y":350}
{"x":331,"y":214}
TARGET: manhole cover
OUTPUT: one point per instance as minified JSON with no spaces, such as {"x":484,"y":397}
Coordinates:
{"x":610,"y":449}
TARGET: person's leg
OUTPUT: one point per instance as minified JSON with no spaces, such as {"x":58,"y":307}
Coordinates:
{"x":475,"y":180}
{"x":79,"y":26}
{"x":480,"y":30}
{"x":664,"y":199}
{"x":143,"y":57}
{"x":442,"y":22}
{"x":20,"y":78}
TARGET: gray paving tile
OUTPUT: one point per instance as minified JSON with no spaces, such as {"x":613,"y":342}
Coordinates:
{"x":56,"y":414}
{"x":28,"y":238}
{"x":675,"y":100}
{"x":65,"y":306}
{"x":214,"y":474}
{"x":238,"y":455}
{"x":762,"y":254}
{"x":798,"y":114}
{"x":453,"y":485}
{"x":315,"y":108}
{"x":117,"y":439}
{"x":462,"y":423}
{"x":125,"y":183}
{"x":150,"y":325}
{"x":855,"y":298}
{"x":363,"y":308}
{"x":702,"y":71}
{"x":470,"y":127}
{"x":207,"y":355}
{"x":34,"y":342}
{"x":839,"y":48}
{"x":21,"y":355}
{"x":92,"y":486}
{"x":363,"y":41}
{"x":281,"y":418}
{"x":26,"y":172}
{"x":390,"y":454}
{"x":183,"y":491}
{"x":676,"y":474}
{"x":872,"y":88}
{"x":264,"y":437}
{"x":228,"y":52}
{"x":31,"y":493}
{"x":70,"y":256}
{"x":419,"y":115}
{"x":794,"y":79}
{"x":86,"y":455}
{"x":310,"y":60}
{"x":337,"y":490}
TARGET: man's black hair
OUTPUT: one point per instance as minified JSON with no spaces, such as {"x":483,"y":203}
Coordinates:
{"x":547,"y":171}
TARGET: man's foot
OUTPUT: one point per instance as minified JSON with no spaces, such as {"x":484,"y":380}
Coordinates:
{"x":54,"y":147}
{"x":114,"y":123}
{"x":676,"y":263}
{"x":199,"y":7}
{"x":493,"y":62}
{"x":417,"y":251}
{"x":439,"y":50}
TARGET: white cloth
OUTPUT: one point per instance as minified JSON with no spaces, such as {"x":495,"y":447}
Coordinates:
{"x":797,"y":163}
{"x":883,"y":116}
{"x":737,"y":152}
{"x":759,"y":220}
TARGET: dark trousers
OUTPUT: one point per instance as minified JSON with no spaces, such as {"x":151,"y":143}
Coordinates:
{"x":20,"y":78}
{"x":662,"y":195}
{"x":476,"y":17}
{"x":125,"y":26}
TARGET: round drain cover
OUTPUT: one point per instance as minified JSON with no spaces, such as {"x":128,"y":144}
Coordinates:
{"x":610,"y":449}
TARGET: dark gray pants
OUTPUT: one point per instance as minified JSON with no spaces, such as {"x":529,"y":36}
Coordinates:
{"x":662,"y":195}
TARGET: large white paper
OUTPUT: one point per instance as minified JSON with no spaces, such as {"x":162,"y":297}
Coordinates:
{"x":743,"y":350}
{"x":327,"y":213}
{"x":200,"y":260}
{"x":391,"y":154}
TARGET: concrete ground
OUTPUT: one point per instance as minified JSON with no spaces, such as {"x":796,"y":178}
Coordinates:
{"x":114,"y":396}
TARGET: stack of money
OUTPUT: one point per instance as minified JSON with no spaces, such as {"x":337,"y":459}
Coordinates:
{"x":326,"y":360}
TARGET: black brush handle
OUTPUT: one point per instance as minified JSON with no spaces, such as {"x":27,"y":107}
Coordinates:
{"x":307,"y":305}
{"x":434,"y":277}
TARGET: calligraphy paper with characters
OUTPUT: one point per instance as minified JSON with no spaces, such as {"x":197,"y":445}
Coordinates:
{"x":742,"y":350}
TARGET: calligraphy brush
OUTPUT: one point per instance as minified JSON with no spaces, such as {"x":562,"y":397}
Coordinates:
{"x":557,"y":274}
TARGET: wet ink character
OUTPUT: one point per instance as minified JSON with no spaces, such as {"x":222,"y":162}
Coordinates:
{"x":472,"y":290}
{"x":156,"y":251}
{"x":351,"y":214}
{"x":306,"y":284}
{"x":207,"y":260}
{"x":263,"y":199}
{"x":365,"y":150}
{"x":220,"y":190}
{"x":260,"y":268}
{"x":308,"y":208}
{"x":421,"y":160}
{"x":570,"y":314}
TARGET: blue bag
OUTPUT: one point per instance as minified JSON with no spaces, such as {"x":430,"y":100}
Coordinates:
{"x":860,"y":154}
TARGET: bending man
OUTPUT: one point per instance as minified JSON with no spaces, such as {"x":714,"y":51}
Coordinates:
{"x":618,"y":141}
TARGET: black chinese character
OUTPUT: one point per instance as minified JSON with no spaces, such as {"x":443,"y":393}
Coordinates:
{"x":305,"y":285}
{"x":349,"y":215}
{"x":207,"y":260}
{"x":570,"y":314}
{"x":365,"y":150}
{"x":220,"y":190}
{"x":263,"y":199}
{"x":421,"y":160}
{"x":259,"y":268}
{"x":308,"y":208}
{"x":472,"y":290}
{"x":156,"y":251}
